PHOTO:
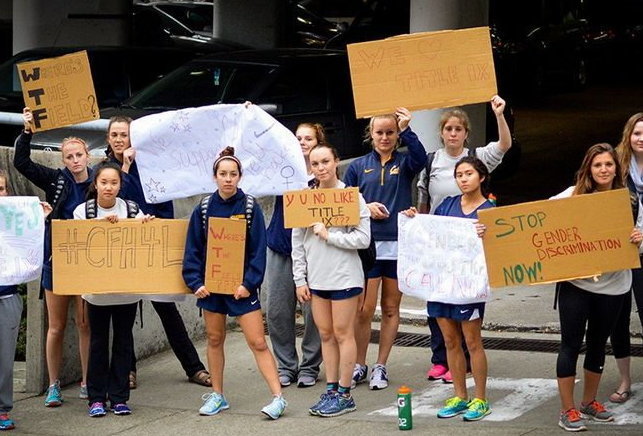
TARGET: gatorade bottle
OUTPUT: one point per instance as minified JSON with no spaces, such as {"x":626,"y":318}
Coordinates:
{"x":404,"y":408}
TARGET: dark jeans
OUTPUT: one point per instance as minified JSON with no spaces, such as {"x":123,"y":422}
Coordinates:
{"x":178,"y":338}
{"x":589,"y":315}
{"x":620,"y":337}
{"x":104,"y":378}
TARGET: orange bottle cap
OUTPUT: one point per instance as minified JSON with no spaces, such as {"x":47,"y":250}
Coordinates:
{"x":404,"y":390}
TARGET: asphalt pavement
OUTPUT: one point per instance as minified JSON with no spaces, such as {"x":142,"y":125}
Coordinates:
{"x":521,"y":389}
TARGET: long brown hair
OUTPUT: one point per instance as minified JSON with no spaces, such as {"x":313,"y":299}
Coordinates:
{"x":320,"y":134}
{"x":462,"y":116}
{"x":333,"y":151}
{"x":585,"y":183}
{"x":112,"y":120}
{"x":624,"y":148}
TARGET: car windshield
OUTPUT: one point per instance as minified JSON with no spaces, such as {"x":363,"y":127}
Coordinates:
{"x":196,"y":17}
{"x":9,"y":80}
{"x":200,"y":85}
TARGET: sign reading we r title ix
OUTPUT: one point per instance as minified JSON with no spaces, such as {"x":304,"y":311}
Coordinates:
{"x":59,"y":91}
{"x":555,"y":240}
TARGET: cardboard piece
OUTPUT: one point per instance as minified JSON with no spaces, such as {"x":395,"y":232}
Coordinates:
{"x":225,"y":255}
{"x":556,"y":240}
{"x":422,"y":71}
{"x":332,"y":207}
{"x":98,"y":257}
{"x":59,"y":91}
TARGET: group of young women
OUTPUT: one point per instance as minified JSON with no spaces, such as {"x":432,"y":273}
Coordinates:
{"x":320,"y":268}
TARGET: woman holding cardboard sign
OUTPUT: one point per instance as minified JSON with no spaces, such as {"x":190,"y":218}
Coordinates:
{"x":328,"y":272}
{"x":589,"y":307}
{"x":630,"y":152}
{"x":108,"y":378}
{"x":230,"y":202}
{"x":384,"y":178}
{"x":64,"y":190}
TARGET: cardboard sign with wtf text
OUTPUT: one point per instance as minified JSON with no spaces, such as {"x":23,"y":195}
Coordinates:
{"x":59,"y":91}
{"x":332,"y":207}
{"x":225,"y":255}
{"x":562,"y":239}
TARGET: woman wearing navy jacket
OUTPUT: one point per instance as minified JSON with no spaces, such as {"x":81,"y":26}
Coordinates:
{"x":120,"y":151}
{"x":384,"y":177}
{"x":227,"y":202}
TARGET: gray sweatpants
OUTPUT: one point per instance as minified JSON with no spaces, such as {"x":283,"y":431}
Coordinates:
{"x":281,"y":304}
{"x":10,"y":312}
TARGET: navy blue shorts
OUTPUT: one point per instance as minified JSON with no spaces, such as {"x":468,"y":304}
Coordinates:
{"x":343,"y":294}
{"x":383,"y":268}
{"x":47,"y":279}
{"x":456,"y":312}
{"x":227,"y":305}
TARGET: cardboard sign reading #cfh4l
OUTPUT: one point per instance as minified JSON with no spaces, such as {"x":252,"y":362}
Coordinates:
{"x":59,"y":91}
{"x":331,"y":207}
{"x":556,"y":240}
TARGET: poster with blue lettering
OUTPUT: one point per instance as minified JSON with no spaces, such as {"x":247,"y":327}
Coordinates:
{"x":441,"y":259}
{"x":22,"y":231}
{"x":175,"y":151}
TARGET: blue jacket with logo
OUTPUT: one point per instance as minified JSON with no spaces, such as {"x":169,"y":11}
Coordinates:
{"x":389,"y":183}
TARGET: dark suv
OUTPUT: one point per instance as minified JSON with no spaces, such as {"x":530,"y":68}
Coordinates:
{"x":293,"y":85}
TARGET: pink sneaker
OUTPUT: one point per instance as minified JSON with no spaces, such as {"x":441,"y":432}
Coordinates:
{"x":436,"y":372}
{"x":446,"y":378}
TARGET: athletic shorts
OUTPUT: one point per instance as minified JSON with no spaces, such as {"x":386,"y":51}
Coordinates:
{"x":343,"y":294}
{"x":383,"y":268}
{"x":227,"y":305}
{"x":456,"y":312}
{"x":47,"y":279}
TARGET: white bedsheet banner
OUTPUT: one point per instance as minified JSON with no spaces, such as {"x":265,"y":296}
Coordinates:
{"x":441,"y":259}
{"x":175,"y":151}
{"x":22,"y":235}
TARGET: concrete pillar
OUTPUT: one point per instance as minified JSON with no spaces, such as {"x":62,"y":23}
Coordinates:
{"x":40,"y":23}
{"x":432,"y":15}
{"x":248,"y":22}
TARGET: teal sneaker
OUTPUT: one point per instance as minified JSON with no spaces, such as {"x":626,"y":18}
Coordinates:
{"x":213,"y":403}
{"x":476,"y":410}
{"x":276,"y":407}
{"x":6,"y":423}
{"x":54,"y":397}
{"x":452,"y":407}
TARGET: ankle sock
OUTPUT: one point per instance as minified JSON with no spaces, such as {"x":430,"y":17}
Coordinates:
{"x":344,"y":391}
{"x":332,"y":387}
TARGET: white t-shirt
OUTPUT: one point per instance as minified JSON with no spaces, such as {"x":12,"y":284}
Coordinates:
{"x":120,"y":209}
{"x":441,"y":182}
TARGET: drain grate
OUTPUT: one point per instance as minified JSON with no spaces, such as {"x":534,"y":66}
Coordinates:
{"x":404,"y":339}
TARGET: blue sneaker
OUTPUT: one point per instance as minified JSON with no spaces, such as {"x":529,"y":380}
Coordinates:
{"x":359,"y":375}
{"x":477,"y":410}
{"x":6,"y":423}
{"x":452,"y":407}
{"x":276,"y":407}
{"x":337,"y":405}
{"x":97,"y":409}
{"x":323,"y":398}
{"x":54,"y":397}
{"x":121,"y":409}
{"x":214,"y":403}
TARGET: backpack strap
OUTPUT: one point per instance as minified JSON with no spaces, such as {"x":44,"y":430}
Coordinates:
{"x":250,"y":204}
{"x":132,"y":209}
{"x":430,"y":156}
{"x":205,"y":202}
{"x":90,"y":209}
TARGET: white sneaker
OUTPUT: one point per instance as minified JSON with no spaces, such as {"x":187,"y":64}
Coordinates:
{"x":379,"y":377}
{"x":360,"y":372}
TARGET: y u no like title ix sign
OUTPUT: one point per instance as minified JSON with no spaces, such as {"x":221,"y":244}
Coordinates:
{"x":98,"y":257}
{"x":331,"y":207}
{"x":556,"y":240}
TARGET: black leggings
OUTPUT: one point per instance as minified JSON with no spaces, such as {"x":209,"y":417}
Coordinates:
{"x":620,"y":337}
{"x":589,"y":315}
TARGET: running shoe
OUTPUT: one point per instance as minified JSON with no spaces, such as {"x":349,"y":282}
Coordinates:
{"x":54,"y":397}
{"x":284,"y":380}
{"x":306,"y":381}
{"x":436,"y":372}
{"x":379,"y":377}
{"x":447,"y":378}
{"x":571,"y":420}
{"x":213,"y":403}
{"x":452,"y":407}
{"x":97,"y":409}
{"x":276,"y":407}
{"x":337,"y":405}
{"x":596,"y":411}
{"x":82,"y":393}
{"x":476,"y":410}
{"x":121,"y":409}
{"x":6,"y":423}
{"x":359,"y":375}
{"x":323,"y":398}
